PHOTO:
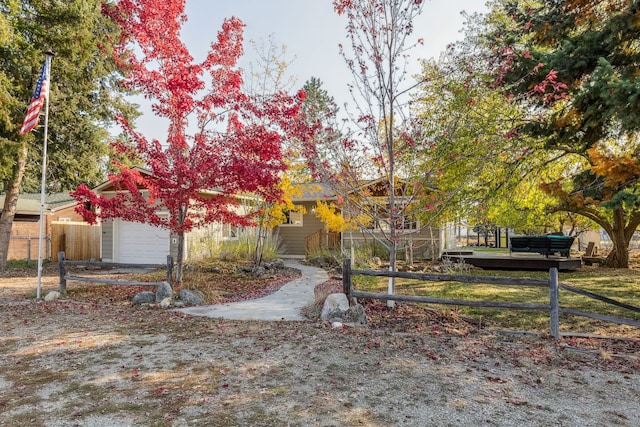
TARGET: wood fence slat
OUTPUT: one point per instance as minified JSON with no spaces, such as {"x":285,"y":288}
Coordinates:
{"x":115,"y":265}
{"x":612,"y":319}
{"x":62,"y":271}
{"x":507,"y":281}
{"x":110,"y":281}
{"x":554,"y":302}
{"x":599,"y":297}
{"x":347,"y":286}
{"x":469,"y":303}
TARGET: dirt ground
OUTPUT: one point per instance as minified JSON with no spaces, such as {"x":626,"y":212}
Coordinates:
{"x":95,"y":363}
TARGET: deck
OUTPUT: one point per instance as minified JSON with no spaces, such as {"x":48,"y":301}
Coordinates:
{"x":514,"y":261}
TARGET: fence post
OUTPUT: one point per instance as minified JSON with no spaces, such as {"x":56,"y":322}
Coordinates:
{"x":347,"y":287}
{"x":169,"y":269}
{"x":63,"y":273}
{"x":554,"y":297}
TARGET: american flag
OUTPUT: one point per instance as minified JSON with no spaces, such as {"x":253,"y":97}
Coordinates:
{"x":41,"y":92}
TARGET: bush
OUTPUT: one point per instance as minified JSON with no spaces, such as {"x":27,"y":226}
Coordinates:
{"x":241,"y":248}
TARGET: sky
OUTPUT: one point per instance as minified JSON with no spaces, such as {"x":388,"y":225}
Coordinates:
{"x":311,"y":32}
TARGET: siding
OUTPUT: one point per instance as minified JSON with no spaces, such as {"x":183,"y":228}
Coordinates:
{"x":107,"y":240}
{"x":292,"y":239}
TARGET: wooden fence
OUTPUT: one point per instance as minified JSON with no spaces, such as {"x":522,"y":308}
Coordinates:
{"x":321,"y":239}
{"x":78,"y":240}
{"x":64,"y":277}
{"x":553,"y":306}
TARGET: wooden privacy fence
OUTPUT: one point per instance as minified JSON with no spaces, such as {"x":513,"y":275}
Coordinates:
{"x":64,"y":277}
{"x":78,"y":240}
{"x":553,"y":306}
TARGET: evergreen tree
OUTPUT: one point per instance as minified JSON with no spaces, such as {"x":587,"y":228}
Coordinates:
{"x":573,"y":64}
{"x":84,"y":97}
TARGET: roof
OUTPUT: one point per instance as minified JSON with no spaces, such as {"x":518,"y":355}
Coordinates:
{"x":29,"y":203}
{"x":312,"y":191}
{"x":108,"y":184}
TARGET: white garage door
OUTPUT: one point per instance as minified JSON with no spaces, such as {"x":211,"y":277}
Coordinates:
{"x":142,"y":244}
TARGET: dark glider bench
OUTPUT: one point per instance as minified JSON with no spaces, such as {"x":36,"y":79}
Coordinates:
{"x":545,"y":245}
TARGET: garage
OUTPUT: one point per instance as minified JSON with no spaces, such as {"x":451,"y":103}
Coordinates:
{"x":139,"y":243}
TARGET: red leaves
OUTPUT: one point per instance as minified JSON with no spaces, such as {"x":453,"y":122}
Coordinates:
{"x":236,"y":148}
{"x":550,"y":88}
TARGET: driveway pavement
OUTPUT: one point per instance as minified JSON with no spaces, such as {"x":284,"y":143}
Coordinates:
{"x":285,"y":304}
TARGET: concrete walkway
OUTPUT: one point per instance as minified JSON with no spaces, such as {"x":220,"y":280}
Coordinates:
{"x":285,"y":304}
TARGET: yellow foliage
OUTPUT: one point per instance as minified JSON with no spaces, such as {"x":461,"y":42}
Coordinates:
{"x":616,"y":170}
{"x":276,"y":213}
{"x":335,"y":221}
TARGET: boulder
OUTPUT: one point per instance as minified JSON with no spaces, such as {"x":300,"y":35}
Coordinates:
{"x":52,"y":296}
{"x":189,"y":297}
{"x":165,"y":303}
{"x":259,"y":271}
{"x":163,"y":291}
{"x":334,"y":306}
{"x":355,"y":315}
{"x":278,"y":264}
{"x":146,"y":297}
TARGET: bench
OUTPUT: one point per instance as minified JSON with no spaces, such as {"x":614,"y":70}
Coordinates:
{"x":544,"y":245}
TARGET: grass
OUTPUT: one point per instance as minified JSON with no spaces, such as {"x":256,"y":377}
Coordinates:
{"x":21,"y":264}
{"x":621,"y":285}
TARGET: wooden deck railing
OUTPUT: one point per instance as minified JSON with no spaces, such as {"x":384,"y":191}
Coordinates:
{"x":321,"y":239}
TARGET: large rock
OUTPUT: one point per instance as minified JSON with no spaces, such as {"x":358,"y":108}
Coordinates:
{"x":163,"y":291}
{"x":144,"y":298}
{"x":52,"y":296}
{"x":334,"y":306}
{"x":189,"y":297}
{"x":355,"y":315}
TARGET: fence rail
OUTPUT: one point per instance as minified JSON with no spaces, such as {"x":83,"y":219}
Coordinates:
{"x":553,"y":306}
{"x":64,"y":277}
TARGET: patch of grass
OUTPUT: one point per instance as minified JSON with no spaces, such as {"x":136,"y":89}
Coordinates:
{"x":21,"y":263}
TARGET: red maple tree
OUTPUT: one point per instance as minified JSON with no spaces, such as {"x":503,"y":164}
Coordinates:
{"x":220,"y":143}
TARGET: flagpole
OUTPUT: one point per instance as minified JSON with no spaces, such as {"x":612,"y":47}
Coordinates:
{"x":48,"y":56}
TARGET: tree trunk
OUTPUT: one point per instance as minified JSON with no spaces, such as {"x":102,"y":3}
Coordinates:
{"x":392,"y":268}
{"x":180,"y":258}
{"x":10,"y":203}
{"x":619,"y":255}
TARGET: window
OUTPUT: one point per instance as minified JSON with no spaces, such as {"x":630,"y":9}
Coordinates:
{"x":293,"y":218}
{"x":403,"y":223}
{"x":230,"y":232}
{"x":407,"y":223}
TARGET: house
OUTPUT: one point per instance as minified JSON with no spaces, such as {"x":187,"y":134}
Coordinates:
{"x":303,"y":223}
{"x":25,"y":231}
{"x":304,"y":231}
{"x":140,"y":243}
